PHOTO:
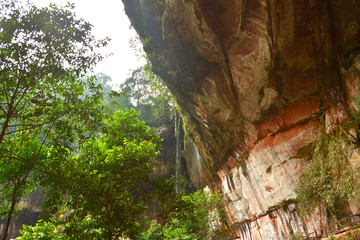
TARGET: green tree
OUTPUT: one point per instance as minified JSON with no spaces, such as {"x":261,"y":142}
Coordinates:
{"x":44,"y":230}
{"x":44,"y":53}
{"x":15,"y":175}
{"x":146,"y":93}
{"x":188,"y":216}
{"x":137,"y":87}
{"x":182,"y":216}
{"x":103,"y":81}
{"x":104,"y":188}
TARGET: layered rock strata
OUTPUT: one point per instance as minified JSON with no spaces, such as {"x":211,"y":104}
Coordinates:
{"x":255,"y":81}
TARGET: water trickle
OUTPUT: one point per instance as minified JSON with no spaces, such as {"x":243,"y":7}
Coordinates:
{"x":197,"y":164}
{"x":177,"y":160}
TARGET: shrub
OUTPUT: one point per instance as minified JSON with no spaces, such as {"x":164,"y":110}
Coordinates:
{"x":190,"y":217}
{"x":328,"y":179}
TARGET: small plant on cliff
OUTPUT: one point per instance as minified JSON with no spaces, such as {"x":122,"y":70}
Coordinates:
{"x":297,"y":236}
{"x":328,"y":179}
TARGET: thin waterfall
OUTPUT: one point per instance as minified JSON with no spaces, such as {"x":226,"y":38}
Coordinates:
{"x":177,"y":160}
{"x":197,"y":163}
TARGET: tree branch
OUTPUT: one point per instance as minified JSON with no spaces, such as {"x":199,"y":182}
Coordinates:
{"x":22,"y":160}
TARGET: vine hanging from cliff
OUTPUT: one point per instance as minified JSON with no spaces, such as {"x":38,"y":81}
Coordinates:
{"x":329,"y":179}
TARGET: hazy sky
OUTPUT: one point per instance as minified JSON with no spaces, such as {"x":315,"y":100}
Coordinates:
{"x":109,"y":19}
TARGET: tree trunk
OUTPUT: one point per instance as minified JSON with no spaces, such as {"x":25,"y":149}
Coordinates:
{"x":5,"y":126}
{"x":13,"y":201}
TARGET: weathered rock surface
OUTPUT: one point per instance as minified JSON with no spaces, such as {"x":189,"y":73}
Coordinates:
{"x":255,"y":81}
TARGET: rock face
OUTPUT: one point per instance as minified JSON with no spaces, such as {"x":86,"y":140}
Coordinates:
{"x":255,"y":81}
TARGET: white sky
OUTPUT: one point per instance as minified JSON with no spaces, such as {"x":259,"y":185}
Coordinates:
{"x":109,"y":20}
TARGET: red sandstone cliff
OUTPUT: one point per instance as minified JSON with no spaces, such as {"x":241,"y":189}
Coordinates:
{"x":252,"y":78}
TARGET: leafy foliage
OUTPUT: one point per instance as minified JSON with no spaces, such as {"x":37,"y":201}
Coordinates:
{"x":44,"y":230}
{"x":357,"y":101}
{"x":102,"y":81}
{"x":44,"y":52}
{"x":189,"y":217}
{"x":328,"y":178}
{"x":102,"y":186}
{"x":137,"y":88}
{"x":14,"y":174}
{"x":146,"y":93}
